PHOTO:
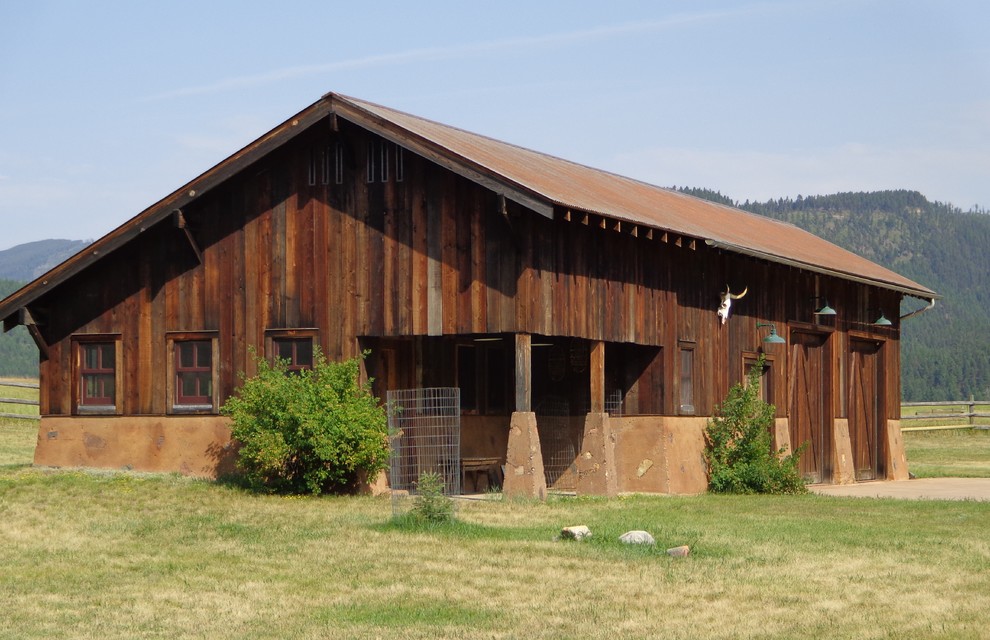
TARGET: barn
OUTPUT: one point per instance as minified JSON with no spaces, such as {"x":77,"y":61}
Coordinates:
{"x":576,"y":310}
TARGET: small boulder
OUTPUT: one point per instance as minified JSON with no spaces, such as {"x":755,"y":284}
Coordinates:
{"x":578,"y":532}
{"x":679,"y":552}
{"x":637,"y":537}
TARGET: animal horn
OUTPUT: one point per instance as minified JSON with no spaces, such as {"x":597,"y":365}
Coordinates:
{"x":736,"y":296}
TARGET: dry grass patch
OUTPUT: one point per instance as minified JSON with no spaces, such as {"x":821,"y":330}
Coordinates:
{"x":121,"y":555}
{"x":963,"y":453}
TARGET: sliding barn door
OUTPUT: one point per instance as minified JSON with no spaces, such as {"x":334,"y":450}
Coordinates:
{"x":809,"y":417}
{"x":866,"y":403}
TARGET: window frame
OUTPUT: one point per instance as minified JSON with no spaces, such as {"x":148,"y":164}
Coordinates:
{"x":172,"y":404}
{"x":274,"y":336}
{"x":686,"y":348}
{"x":80,"y":343}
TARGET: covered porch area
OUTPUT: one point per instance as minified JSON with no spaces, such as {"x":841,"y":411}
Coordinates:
{"x":552,"y":413}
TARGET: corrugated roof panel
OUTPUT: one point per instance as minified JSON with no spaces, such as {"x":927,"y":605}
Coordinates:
{"x":574,"y":186}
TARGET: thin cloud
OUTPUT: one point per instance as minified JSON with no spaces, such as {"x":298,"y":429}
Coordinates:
{"x":446,"y":53}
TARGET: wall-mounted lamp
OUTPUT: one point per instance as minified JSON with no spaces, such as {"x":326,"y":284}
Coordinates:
{"x":772,"y":337}
{"x":824,"y":310}
{"x":882,"y":321}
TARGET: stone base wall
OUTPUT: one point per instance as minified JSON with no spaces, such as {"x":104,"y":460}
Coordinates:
{"x":191,"y":445}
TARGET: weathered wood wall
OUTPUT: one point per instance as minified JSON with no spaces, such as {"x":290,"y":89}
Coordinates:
{"x":431,"y":254}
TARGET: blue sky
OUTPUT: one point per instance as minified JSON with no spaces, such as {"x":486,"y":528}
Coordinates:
{"x":106,"y":107}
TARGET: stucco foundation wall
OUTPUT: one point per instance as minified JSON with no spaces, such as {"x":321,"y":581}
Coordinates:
{"x":190,"y":445}
{"x":660,"y":454}
{"x":843,"y":465}
{"x":897,"y":466}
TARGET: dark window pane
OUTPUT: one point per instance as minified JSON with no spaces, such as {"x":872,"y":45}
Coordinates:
{"x":304,"y":353}
{"x":187,"y":356}
{"x":205,"y":355}
{"x":108,"y":357}
{"x":206,"y":385}
{"x":687,"y":381}
{"x":91,"y":356}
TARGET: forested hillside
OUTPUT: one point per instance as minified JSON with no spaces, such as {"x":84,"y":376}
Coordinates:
{"x":27,"y":261}
{"x":18,"y":355}
{"x":946,"y":351}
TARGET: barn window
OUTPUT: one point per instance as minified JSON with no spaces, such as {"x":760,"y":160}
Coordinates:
{"x":325,"y":159}
{"x":294,"y":346}
{"x":338,"y":163}
{"x":383,"y":152}
{"x":311,"y":174}
{"x":372,"y":162}
{"x":400,"y":164}
{"x":378,"y":162}
{"x":192,"y":373}
{"x":765,"y":380}
{"x":97,"y":374}
{"x":686,"y":379}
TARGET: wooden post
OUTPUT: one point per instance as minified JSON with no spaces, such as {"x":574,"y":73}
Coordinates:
{"x":598,"y":377}
{"x":524,"y":368}
{"x":972,"y":411}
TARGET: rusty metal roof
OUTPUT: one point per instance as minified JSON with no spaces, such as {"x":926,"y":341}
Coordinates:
{"x":536,"y":180}
{"x":580,"y":188}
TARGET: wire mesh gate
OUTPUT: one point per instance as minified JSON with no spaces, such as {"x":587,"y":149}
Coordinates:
{"x":425,"y":428}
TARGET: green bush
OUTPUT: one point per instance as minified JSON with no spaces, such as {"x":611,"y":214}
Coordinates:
{"x":739,"y":449}
{"x":313,"y":431}
{"x":432,"y":505}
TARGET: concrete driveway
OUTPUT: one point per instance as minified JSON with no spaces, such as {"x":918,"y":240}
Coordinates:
{"x":917,"y":489}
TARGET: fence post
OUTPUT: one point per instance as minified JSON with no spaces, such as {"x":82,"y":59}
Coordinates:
{"x":972,"y":411}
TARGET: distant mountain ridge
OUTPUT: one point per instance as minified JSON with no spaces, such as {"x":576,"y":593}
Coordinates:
{"x":25,"y":262}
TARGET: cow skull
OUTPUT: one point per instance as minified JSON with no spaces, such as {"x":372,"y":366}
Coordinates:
{"x":727,"y":298}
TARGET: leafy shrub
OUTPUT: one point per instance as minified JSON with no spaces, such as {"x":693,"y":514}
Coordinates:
{"x":308,"y":432}
{"x":739,"y":449}
{"x":432,"y":505}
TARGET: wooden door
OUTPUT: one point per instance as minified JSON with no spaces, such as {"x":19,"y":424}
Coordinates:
{"x":866,"y":404}
{"x":809,"y":417}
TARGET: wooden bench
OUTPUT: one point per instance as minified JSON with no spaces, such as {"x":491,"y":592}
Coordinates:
{"x":491,"y":467}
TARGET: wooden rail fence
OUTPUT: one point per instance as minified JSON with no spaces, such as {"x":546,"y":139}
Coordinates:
{"x":947,"y":412}
{"x":21,"y":401}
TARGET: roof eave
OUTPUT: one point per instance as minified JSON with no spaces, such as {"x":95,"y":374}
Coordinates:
{"x":917,"y":292}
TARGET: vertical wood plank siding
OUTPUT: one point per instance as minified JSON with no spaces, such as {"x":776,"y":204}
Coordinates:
{"x":433,"y":253}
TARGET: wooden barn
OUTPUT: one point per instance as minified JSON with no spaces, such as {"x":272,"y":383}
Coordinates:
{"x":576,"y":310}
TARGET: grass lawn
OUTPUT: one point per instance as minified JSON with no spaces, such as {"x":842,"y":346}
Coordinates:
{"x":97,"y":555}
{"x":122,"y":555}
{"x":93,"y":555}
{"x":960,"y":453}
